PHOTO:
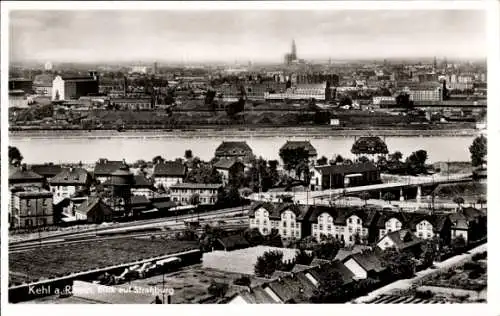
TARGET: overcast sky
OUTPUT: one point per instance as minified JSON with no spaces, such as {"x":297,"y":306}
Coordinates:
{"x":197,"y":36}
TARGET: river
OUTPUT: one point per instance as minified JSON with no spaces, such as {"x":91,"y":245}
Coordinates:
{"x":131,"y":147}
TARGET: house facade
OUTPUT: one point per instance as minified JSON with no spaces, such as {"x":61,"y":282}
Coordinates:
{"x":311,"y":151}
{"x":232,"y":150}
{"x":208,"y":192}
{"x":229,"y":168}
{"x":342,"y":176}
{"x":289,"y":219}
{"x":68,"y":182}
{"x":168,"y":173}
{"x":31,"y":208}
{"x":104,"y":168}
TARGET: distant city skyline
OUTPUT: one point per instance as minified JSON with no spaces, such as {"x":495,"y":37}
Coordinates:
{"x":257,"y":36}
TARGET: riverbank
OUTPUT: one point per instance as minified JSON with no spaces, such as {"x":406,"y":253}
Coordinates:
{"x":310,"y":132}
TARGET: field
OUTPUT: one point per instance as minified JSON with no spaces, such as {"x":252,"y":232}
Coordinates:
{"x":191,"y":284}
{"x":52,"y":261}
{"x":472,"y":276}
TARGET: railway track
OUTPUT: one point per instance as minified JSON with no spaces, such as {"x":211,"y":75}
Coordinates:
{"x":106,"y":236}
{"x":141,"y":224}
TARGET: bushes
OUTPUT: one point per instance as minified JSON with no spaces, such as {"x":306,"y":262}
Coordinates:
{"x":424,"y":294}
{"x":218,"y":289}
{"x":479,"y":256}
{"x":243,"y":281}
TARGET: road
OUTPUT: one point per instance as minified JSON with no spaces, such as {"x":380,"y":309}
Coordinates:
{"x":311,"y":197}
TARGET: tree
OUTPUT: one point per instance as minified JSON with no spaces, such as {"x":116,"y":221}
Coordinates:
{"x":194,"y":199}
{"x":243,"y":281}
{"x":459,"y":201}
{"x":292,"y":157}
{"x":269,"y":262}
{"x":303,"y":257}
{"x":253,"y":236}
{"x":327,"y":249}
{"x":322,"y":161}
{"x":15,"y":157}
{"x":158,"y":159}
{"x":399,"y":264}
{"x":346,"y":100}
{"x":330,"y":288}
{"x":403,"y":100}
{"x":273,"y":239}
{"x":203,"y":174}
{"x":429,"y":253}
{"x":458,"y":244}
{"x":396,"y":156}
{"x":416,"y":161}
{"x":388,"y":196}
{"x":365,"y":196}
{"x":363,"y":159}
{"x":339,"y":159}
{"x":188,"y":154}
{"x":478,"y":151}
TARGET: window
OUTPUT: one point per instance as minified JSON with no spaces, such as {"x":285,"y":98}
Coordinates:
{"x":350,"y":237}
{"x":428,"y":235}
{"x":330,"y":219}
{"x":320,"y":227}
{"x":264,"y":230}
{"x":284,"y":224}
{"x":292,"y":225}
{"x":350,"y":220}
{"x":257,"y":221}
{"x":358,"y":221}
{"x":297,"y":233}
{"x":265,"y":222}
{"x":358,"y":230}
{"x":420,"y":235}
{"x":350,"y":229}
{"x":329,"y":227}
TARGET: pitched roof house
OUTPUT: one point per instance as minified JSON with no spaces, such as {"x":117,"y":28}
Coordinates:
{"x":364,"y":265}
{"x":71,"y":176}
{"x":93,"y":210}
{"x":234,"y":150}
{"x":401,"y":240}
{"x":104,"y":168}
{"x":300,"y":144}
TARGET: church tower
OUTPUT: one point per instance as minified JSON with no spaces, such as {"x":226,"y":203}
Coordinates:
{"x":294,"y":50}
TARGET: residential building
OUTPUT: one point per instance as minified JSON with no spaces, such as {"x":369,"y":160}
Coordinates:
{"x":343,"y":176}
{"x":230,"y":169}
{"x":289,"y":219}
{"x":93,"y":210}
{"x":319,"y":92}
{"x":228,"y":150}
{"x":47,"y":171}
{"x":390,"y":222}
{"x":168,"y":173}
{"x":364,"y":265}
{"x":208,"y":192}
{"x":306,"y":145}
{"x":468,"y":222}
{"x":432,"y":226}
{"x":25,"y":85}
{"x":104,"y":168}
{"x":43,"y":84}
{"x":31,"y":207}
{"x":68,"y":88}
{"x":68,"y":182}
{"x":142,"y":186}
{"x":23,"y":177}
{"x":132,"y":104}
{"x":401,"y":240}
{"x":350,"y":226}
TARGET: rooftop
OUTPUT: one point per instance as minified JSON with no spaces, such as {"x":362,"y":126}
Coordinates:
{"x":196,"y":186}
{"x":169,"y":168}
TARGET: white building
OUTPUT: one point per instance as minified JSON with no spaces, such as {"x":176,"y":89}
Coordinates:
{"x":66,"y":183}
{"x":168,"y":173}
{"x":207,"y":192}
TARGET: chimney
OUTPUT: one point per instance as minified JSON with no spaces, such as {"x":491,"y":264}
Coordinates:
{"x":24,"y":167}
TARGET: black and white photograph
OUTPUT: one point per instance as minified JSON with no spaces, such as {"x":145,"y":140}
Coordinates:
{"x":244,"y":155}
